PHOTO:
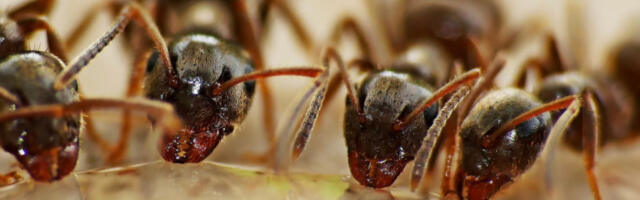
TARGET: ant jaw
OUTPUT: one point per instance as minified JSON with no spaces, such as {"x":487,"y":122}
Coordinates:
{"x":187,"y":146}
{"x":374,"y":173}
{"x":49,"y":165}
{"x":483,"y":187}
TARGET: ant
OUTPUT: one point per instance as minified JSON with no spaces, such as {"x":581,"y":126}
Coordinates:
{"x":209,"y":79}
{"x":504,"y":132}
{"x":613,"y":104}
{"x":372,"y":164}
{"x":41,"y":125}
{"x":387,"y":116}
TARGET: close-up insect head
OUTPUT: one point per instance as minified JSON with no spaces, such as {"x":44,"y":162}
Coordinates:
{"x":236,"y":99}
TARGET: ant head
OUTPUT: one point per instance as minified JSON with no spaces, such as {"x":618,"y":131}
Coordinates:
{"x":513,"y":152}
{"x":202,"y":62}
{"x":46,"y":146}
{"x":377,"y":152}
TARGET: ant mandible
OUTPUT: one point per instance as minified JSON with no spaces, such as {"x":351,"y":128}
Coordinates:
{"x":209,"y":80}
{"x":40,"y":125}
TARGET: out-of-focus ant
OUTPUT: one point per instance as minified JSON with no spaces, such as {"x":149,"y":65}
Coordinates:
{"x":206,"y":77}
{"x":463,"y":30}
{"x":41,"y":125}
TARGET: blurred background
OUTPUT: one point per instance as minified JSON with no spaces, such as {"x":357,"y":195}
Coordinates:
{"x":605,"y":24}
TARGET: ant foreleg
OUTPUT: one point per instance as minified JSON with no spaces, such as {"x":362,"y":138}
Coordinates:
{"x":590,"y":138}
{"x":293,"y":20}
{"x":36,"y":7}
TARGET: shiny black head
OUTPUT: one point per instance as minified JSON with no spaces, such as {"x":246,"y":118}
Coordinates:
{"x":378,"y":153}
{"x":202,"y":62}
{"x":46,"y":146}
{"x":487,"y":170}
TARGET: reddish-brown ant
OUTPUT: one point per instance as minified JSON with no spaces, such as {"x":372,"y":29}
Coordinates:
{"x":209,"y":80}
{"x":41,"y":125}
{"x":387,"y":116}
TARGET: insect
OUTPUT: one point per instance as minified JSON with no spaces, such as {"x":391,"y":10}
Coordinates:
{"x":41,"y":125}
{"x":387,"y":116}
{"x":612,"y":105}
{"x":501,"y":138}
{"x":466,"y":30}
{"x":208,"y":79}
{"x":370,"y":164}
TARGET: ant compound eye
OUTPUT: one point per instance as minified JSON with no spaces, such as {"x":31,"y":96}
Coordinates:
{"x":528,"y":128}
{"x":225,"y":76}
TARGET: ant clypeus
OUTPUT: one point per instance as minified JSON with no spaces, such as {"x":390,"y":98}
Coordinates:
{"x":207,"y":78}
{"x":41,"y":125}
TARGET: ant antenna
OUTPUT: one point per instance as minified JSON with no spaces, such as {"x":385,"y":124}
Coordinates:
{"x":130,"y":11}
{"x":463,"y":80}
{"x":299,"y":71}
{"x":490,"y":138}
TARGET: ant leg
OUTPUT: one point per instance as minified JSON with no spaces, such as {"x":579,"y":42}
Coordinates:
{"x":249,"y":40}
{"x":8,"y":96}
{"x":484,"y":84}
{"x":350,"y":24}
{"x":461,"y":84}
{"x":293,"y":20}
{"x":135,"y":88}
{"x":298,"y":142}
{"x":130,"y":11}
{"x":37,"y":7}
{"x":91,"y":130}
{"x":591,"y":123}
{"x":31,"y":23}
{"x":472,"y":56}
{"x":163,"y":112}
{"x":556,"y":61}
{"x":260,"y":75}
{"x":334,"y":81}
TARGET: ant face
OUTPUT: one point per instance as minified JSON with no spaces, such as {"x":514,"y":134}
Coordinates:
{"x":46,"y":146}
{"x":377,"y":152}
{"x":202,"y":62}
{"x":487,"y":169}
